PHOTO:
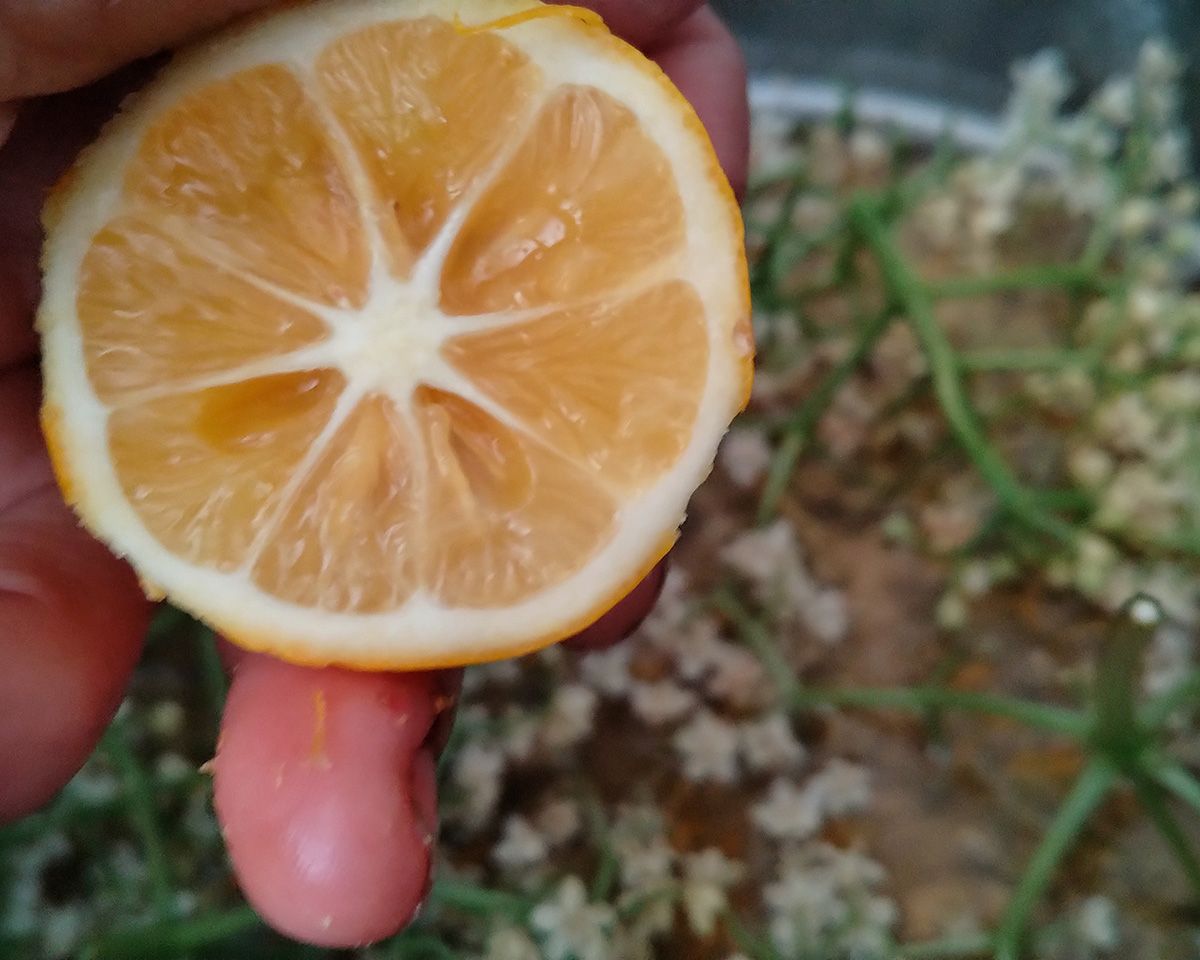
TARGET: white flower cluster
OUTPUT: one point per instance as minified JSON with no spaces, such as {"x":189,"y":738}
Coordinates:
{"x":826,"y":902}
{"x":792,"y":812}
{"x":714,"y":749}
{"x":772,"y":561}
{"x":654,"y":882}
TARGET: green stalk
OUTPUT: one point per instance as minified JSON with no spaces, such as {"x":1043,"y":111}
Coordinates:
{"x":606,"y":868}
{"x":166,"y":623}
{"x":140,"y":801}
{"x":469,"y":898}
{"x":172,"y":937}
{"x":914,"y":699}
{"x":756,"y":636}
{"x":799,"y":428}
{"x":212,"y":672}
{"x":926,"y":699}
{"x":1118,"y":732}
{"x":760,"y":273}
{"x":1069,"y":277}
{"x":630,"y":909}
{"x":1065,"y":499}
{"x":1176,"y":778}
{"x":1151,"y":795}
{"x":908,"y":292}
{"x":752,"y":946}
{"x":1187,"y":543}
{"x":761,"y":182}
{"x":68,"y":810}
{"x":1085,"y":797}
{"x":1021,"y":360}
{"x":962,"y":948}
{"x":415,"y":945}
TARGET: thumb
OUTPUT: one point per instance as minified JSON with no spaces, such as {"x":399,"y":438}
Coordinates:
{"x":54,"y":45}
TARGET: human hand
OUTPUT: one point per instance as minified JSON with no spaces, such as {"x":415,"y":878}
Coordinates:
{"x":341,"y":855}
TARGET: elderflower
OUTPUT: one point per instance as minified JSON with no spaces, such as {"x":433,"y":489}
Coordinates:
{"x":511,"y":943}
{"x":1113,"y":102}
{"x":745,"y":456}
{"x":770,"y":745}
{"x":607,"y":671}
{"x":826,"y":900}
{"x":521,"y":846}
{"x":661,"y":702}
{"x":787,"y":813}
{"x":478,"y":770}
{"x":842,"y":787}
{"x":644,"y":858}
{"x":707,"y":877}
{"x":571,"y":928}
{"x":1139,"y":499}
{"x":738,"y":678}
{"x":559,"y":821}
{"x":570,"y":717}
{"x":772,"y":561}
{"x":708,"y":747}
{"x":1095,"y":923}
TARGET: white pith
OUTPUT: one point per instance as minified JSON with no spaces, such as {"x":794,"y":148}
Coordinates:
{"x":392,"y":345}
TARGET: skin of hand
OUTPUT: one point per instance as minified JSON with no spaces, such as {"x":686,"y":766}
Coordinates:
{"x":341,"y":853}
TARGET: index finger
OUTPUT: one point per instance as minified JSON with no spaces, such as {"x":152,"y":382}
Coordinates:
{"x":644,"y":23}
{"x":54,"y":45}
{"x":705,"y":61}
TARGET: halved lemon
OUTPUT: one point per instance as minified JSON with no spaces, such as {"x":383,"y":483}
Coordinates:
{"x":395,"y":333}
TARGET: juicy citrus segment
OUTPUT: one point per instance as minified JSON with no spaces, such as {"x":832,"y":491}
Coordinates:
{"x":506,"y":516}
{"x":349,"y":539}
{"x":201,"y":469}
{"x":612,"y":385}
{"x":244,"y":171}
{"x":427,"y":108}
{"x":191,"y":318}
{"x":589,"y":200}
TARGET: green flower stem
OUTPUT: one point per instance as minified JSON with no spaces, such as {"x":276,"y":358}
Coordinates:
{"x":912,"y":188}
{"x":1176,"y":778}
{"x":927,"y":699}
{"x":174,"y":937}
{"x":779,"y":229}
{"x":1103,"y":232}
{"x":758,"y":638}
{"x":752,"y":946}
{"x":1070,"y":276}
{"x":1064,"y":499}
{"x":923,"y":699}
{"x":166,"y":624}
{"x":606,"y":868}
{"x":171,"y":938}
{"x":1150,"y":794}
{"x":630,"y":909}
{"x":761,"y":182}
{"x":140,"y":802}
{"x":799,"y":427}
{"x":1022,"y":360}
{"x":910,"y":294}
{"x":1085,"y":797}
{"x":469,"y":898}
{"x":418,"y":945}
{"x":1118,"y":732}
{"x":24,"y":946}
{"x":1187,"y":543}
{"x":960,"y":947}
{"x":212,"y":673}
{"x":69,"y":809}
